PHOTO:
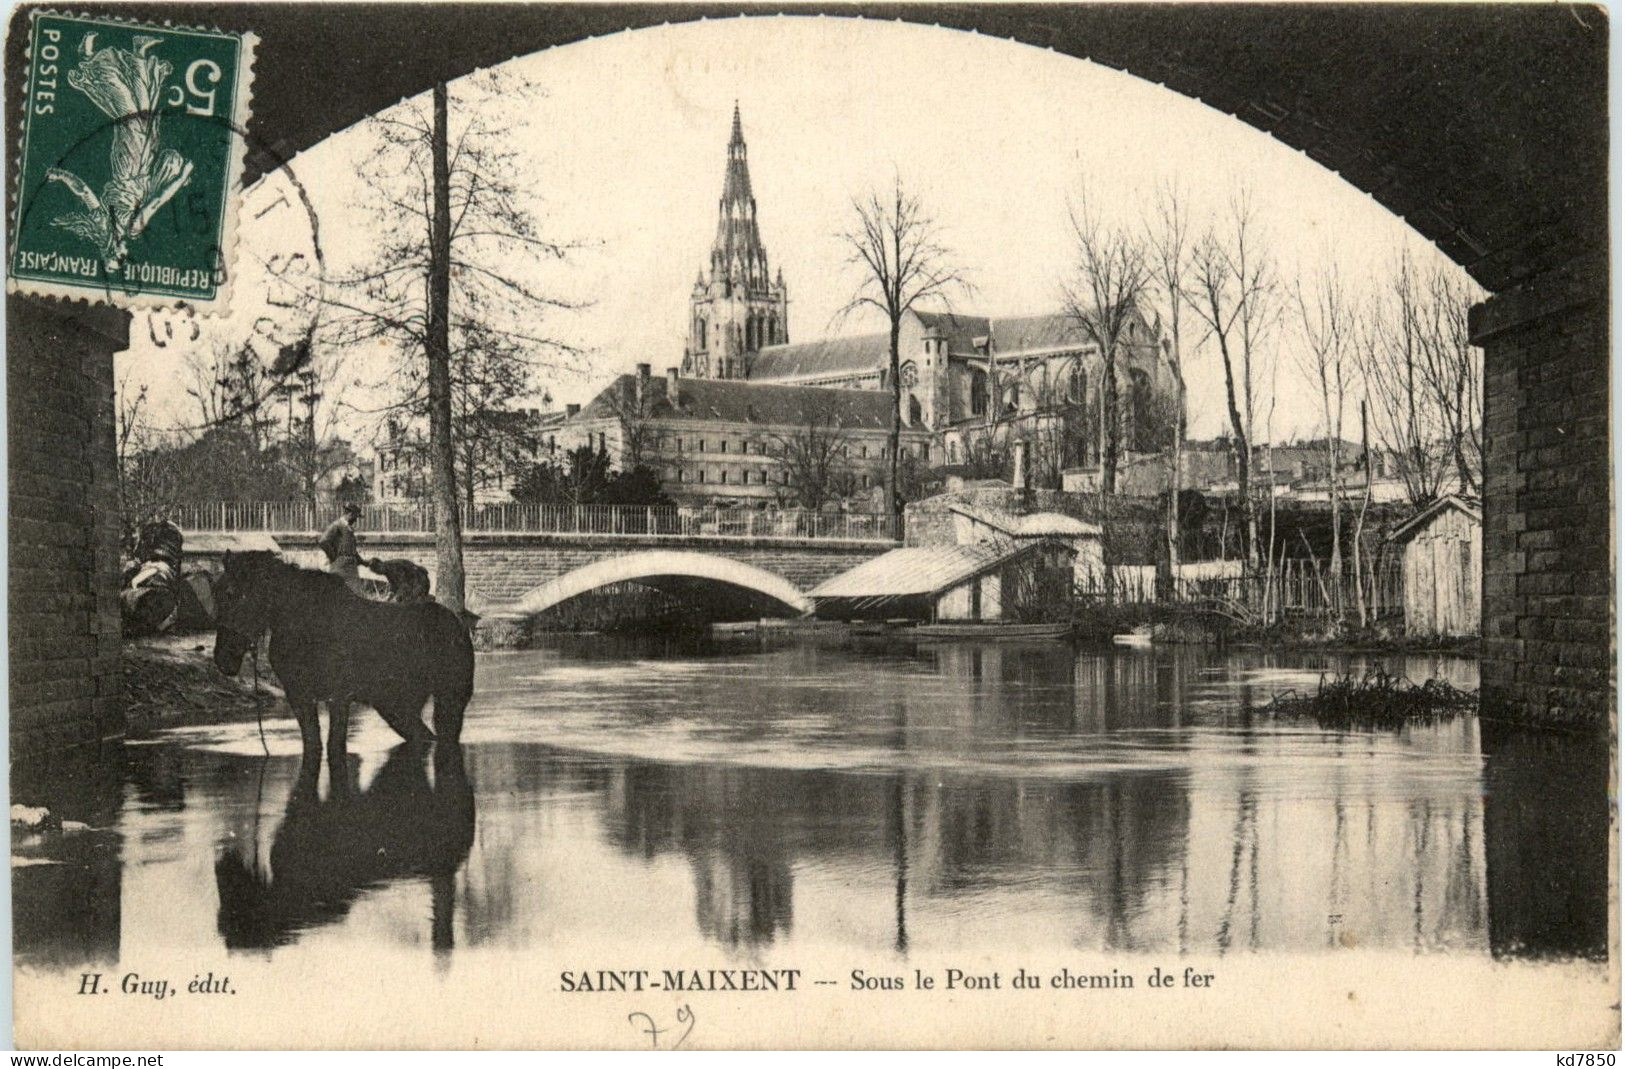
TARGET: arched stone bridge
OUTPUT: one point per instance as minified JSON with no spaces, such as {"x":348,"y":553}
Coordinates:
{"x":526,"y":574}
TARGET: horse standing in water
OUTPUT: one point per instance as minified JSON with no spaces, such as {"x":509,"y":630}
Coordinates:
{"x":329,"y":645}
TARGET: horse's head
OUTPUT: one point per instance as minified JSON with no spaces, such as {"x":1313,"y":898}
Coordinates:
{"x":242,"y":607}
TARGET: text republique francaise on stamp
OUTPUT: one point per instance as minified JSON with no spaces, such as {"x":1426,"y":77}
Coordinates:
{"x":130,"y":165}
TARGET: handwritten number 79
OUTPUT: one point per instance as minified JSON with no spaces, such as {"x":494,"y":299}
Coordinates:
{"x":685,"y":1016}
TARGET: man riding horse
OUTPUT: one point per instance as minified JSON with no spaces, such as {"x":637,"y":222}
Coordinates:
{"x":338,"y":543}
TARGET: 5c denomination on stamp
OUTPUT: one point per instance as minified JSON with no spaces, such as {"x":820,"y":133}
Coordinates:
{"x":131,"y":161}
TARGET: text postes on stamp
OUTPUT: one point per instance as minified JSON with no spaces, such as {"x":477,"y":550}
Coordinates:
{"x":131,"y":157}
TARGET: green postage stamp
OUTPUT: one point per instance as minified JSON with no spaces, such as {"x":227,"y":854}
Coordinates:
{"x":132,"y":156}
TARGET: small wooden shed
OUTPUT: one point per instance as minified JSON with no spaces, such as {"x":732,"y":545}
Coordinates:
{"x":1443,"y":564}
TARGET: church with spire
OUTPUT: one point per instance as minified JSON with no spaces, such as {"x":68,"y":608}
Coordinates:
{"x":714,"y":430}
{"x":738,"y":307}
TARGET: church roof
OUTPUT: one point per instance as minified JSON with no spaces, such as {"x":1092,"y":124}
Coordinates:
{"x":736,"y":401}
{"x":826,"y":356}
{"x":1026,"y":333}
{"x":868,"y":352}
{"x":962,"y":331}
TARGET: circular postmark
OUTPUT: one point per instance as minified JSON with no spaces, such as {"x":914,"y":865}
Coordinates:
{"x":276,"y":268}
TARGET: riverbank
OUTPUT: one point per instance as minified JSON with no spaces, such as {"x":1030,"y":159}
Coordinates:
{"x":171,"y":679}
{"x":1366,"y":641}
{"x":1166,"y":627}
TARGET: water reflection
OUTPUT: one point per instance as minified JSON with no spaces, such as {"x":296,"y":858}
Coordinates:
{"x":327,"y":851}
{"x":877,"y":797}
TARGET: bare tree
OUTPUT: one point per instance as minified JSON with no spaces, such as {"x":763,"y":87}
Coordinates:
{"x":987,"y":452}
{"x":311,"y":450}
{"x":1359,"y":516}
{"x":491,"y":432}
{"x":1454,"y":373}
{"x":141,"y":490}
{"x":232,"y":387}
{"x":1327,"y":321}
{"x":1233,"y":291}
{"x":814,"y":461}
{"x":1394,"y":352}
{"x":1112,"y":276}
{"x":454,"y":280}
{"x":633,"y":405}
{"x":1056,"y":425}
{"x":1426,"y":380}
{"x":1169,"y":241}
{"x":897,"y":247}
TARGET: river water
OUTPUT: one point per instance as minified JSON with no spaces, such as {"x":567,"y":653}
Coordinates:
{"x":752,"y":793}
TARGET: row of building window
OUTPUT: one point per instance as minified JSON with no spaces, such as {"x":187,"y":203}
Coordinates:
{"x":747,"y":478}
{"x":748,"y":447}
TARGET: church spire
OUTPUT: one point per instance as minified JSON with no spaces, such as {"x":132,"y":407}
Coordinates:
{"x":738,"y":240}
{"x":737,"y":308}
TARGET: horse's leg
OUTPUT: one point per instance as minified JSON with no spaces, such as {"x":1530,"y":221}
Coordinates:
{"x":338,"y":739}
{"x":304,"y":787}
{"x":310,"y":728}
{"x":449,"y":704}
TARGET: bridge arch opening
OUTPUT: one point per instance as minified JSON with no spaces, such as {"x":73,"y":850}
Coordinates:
{"x":1336,"y":84}
{"x":730,"y":589}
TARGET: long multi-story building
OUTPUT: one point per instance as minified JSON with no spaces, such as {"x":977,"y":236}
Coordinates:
{"x":725,"y":440}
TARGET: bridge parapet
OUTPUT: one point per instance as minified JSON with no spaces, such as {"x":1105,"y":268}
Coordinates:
{"x":502,"y":568}
{"x":285,"y":518}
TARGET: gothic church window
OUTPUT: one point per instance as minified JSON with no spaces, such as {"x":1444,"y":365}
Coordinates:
{"x":1142,"y":415}
{"x":978,"y":392}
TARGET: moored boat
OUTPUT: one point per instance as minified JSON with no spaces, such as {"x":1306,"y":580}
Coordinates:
{"x":990,"y":629}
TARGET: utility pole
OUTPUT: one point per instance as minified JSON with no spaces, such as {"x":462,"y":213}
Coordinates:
{"x":448,"y":534}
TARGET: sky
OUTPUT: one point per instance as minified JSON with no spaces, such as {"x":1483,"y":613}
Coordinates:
{"x":622,"y":145}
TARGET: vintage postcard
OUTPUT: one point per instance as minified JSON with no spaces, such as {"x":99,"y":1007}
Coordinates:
{"x":656,"y":527}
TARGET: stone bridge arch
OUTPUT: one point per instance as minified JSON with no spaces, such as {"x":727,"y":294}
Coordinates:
{"x":653,"y":567}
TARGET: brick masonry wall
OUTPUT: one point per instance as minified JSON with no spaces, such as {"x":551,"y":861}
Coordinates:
{"x":503,"y":569}
{"x":64,"y":524}
{"x":1548,"y":654}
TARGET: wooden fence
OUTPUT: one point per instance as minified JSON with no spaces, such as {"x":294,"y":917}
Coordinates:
{"x":1292,"y":588}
